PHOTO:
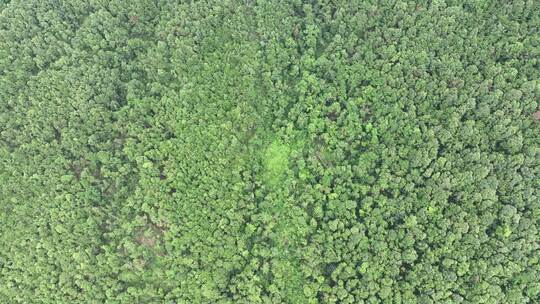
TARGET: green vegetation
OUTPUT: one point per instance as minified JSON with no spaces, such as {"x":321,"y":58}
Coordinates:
{"x":276,"y":162}
{"x":269,"y":151}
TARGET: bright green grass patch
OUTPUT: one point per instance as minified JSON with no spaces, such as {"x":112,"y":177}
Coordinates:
{"x":276,"y":162}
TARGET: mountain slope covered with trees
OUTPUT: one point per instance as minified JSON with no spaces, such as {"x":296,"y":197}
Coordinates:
{"x":269,"y":151}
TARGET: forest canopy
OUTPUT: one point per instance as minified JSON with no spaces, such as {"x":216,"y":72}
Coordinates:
{"x":269,"y":151}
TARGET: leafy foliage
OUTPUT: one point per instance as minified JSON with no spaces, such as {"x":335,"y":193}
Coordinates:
{"x":269,"y":151}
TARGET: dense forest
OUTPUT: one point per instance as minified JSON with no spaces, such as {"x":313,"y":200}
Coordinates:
{"x":266,"y":151}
